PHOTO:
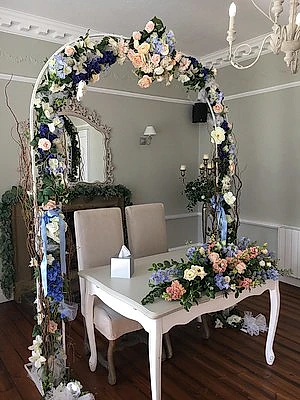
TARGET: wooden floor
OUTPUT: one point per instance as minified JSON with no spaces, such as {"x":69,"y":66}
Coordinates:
{"x":228,"y":366}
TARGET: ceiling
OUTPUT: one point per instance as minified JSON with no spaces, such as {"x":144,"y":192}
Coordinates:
{"x":199,"y":25}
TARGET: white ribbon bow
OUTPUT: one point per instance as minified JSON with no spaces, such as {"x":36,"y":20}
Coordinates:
{"x":254,"y":325}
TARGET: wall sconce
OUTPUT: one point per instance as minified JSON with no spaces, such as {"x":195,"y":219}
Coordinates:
{"x":147,"y":136}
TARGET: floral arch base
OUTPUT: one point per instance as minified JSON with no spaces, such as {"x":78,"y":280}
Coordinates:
{"x":65,"y":75}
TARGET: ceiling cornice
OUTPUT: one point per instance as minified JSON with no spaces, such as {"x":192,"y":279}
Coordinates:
{"x":29,"y":25}
{"x":23,"y":24}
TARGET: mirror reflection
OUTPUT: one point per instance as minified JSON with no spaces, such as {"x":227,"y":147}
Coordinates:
{"x":94,"y":139}
{"x":92,"y":149}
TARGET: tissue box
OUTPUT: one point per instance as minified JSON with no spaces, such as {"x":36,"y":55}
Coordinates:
{"x":121,"y":267}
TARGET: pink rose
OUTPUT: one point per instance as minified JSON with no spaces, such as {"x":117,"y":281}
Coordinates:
{"x":145,"y":82}
{"x":254,"y":252}
{"x":240,"y":267}
{"x":149,"y":26}
{"x":175,"y":291}
{"x":220,"y":266}
{"x":44,"y":144}
{"x":155,"y":59}
{"x":218,"y":108}
{"x":214,"y":257}
{"x":136,"y":35}
{"x":246,"y":283}
{"x":69,"y":50}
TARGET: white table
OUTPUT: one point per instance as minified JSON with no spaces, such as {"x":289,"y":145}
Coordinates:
{"x":124,"y":296}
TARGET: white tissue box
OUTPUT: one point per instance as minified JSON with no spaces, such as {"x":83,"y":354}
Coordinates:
{"x":121,"y":267}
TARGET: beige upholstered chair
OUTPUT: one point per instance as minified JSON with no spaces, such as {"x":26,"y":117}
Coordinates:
{"x":99,"y":235}
{"x":146,"y":229}
{"x":147,"y":235}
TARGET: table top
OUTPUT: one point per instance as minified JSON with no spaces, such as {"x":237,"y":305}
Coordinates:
{"x":131,"y":291}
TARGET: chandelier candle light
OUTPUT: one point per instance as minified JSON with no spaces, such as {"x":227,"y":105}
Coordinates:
{"x":285,"y":38}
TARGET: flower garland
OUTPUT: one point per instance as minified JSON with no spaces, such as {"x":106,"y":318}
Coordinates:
{"x":212,"y":268}
{"x":155,"y":59}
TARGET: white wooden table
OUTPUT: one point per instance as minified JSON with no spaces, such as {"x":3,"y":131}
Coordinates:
{"x":124,"y":296}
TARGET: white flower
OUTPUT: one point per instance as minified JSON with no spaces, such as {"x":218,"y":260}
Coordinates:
{"x":183,"y":78}
{"x":37,"y":359}
{"x":199,"y":271}
{"x":33,"y":262}
{"x":50,"y":259}
{"x":226,"y":182}
{"x":158,"y":70}
{"x":53,"y":229}
{"x":262,"y":263}
{"x":227,"y":279}
{"x":218,"y":323}
{"x":217,"y":135}
{"x":89,"y":43}
{"x":53,"y":164}
{"x":48,"y":110}
{"x":37,"y":102}
{"x":74,"y":388}
{"x":229,"y":219}
{"x":55,"y":88}
{"x":81,"y":90}
{"x":202,"y":250}
{"x":190,"y":274}
{"x":269,"y":265}
{"x":233,"y":319}
{"x":36,"y":343}
{"x":229,"y":198}
{"x":265,"y":251}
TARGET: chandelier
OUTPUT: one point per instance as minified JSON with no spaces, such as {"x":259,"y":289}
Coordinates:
{"x":285,"y":38}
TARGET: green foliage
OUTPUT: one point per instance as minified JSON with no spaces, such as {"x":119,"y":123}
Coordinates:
{"x":8,"y":200}
{"x":201,"y":189}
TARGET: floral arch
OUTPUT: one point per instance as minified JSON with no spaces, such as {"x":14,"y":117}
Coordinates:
{"x":65,"y":75}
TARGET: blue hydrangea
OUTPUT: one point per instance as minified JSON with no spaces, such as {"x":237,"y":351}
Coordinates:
{"x":243,"y":243}
{"x":164,"y":275}
{"x":272,"y":273}
{"x":220,"y":282}
{"x":191,"y":252}
{"x":55,"y":282}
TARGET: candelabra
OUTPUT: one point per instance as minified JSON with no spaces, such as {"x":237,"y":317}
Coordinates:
{"x":208,"y":178}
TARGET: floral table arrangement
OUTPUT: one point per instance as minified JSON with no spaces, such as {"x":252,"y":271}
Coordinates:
{"x":212,"y":268}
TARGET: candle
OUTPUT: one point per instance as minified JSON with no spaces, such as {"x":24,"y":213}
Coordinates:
{"x":232,"y":13}
{"x":201,"y":166}
{"x":182,"y":167}
{"x":205,"y":156}
{"x":209,"y":165}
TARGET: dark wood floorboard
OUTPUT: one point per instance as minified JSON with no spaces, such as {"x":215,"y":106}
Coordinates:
{"x":228,"y":366}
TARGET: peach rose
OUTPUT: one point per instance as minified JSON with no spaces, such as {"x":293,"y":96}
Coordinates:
{"x":214,"y":257}
{"x":51,"y":205}
{"x":44,"y":144}
{"x":95,"y":78}
{"x":246,"y":283}
{"x":52,"y":326}
{"x":149,"y":26}
{"x":218,"y":108}
{"x":145,"y":82}
{"x":138,"y":60}
{"x":69,"y":50}
{"x":136,"y":35}
{"x":143,"y":48}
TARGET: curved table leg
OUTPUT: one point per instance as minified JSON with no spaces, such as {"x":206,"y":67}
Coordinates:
{"x":155,"y":349}
{"x":274,"y":313}
{"x":89,"y":307}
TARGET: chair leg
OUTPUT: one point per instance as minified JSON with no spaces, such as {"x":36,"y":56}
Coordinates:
{"x":112,"y":378}
{"x":168,"y":345}
{"x":203,"y":319}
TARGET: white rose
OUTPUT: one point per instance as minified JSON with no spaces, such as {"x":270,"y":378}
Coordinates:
{"x":217,"y":135}
{"x":183,"y":78}
{"x":158,"y":70}
{"x":74,"y":388}
{"x":81,"y":90}
{"x":262,"y":263}
{"x":229,"y":198}
{"x":190,"y":274}
{"x":199,"y":271}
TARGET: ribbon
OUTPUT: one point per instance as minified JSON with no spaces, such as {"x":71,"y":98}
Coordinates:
{"x":44,"y":260}
{"x":254,"y":325}
{"x":221,"y":217}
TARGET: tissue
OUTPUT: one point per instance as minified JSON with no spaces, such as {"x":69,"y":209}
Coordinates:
{"x":122,"y":266}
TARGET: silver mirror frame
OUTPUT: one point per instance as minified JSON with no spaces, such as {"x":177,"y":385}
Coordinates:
{"x":76,"y":109}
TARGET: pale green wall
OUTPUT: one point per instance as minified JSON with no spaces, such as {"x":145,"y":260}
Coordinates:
{"x":267,"y":132}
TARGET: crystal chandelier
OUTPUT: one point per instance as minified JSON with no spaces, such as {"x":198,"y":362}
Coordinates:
{"x":285,"y":38}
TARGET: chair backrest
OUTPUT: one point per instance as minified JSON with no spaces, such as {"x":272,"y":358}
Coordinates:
{"x":146,"y":229}
{"x":99,"y":236}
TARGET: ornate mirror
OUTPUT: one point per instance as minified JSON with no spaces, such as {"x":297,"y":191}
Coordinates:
{"x":94,"y":138}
